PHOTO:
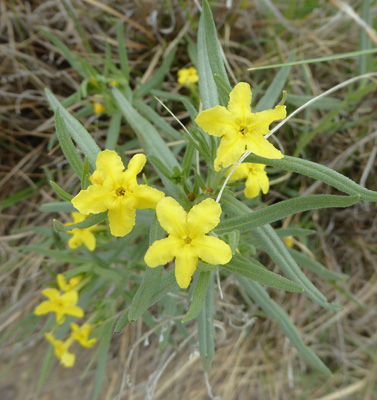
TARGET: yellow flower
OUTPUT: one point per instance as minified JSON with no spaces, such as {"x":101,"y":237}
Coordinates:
{"x":61,"y":305}
{"x":117,"y":190}
{"x":98,"y":107}
{"x":114,"y":83}
{"x":240,"y":129}
{"x":61,"y":350}
{"x":187,"y":76}
{"x":256,"y":178}
{"x":81,"y":236}
{"x":289,"y":241}
{"x":81,"y":334}
{"x":67,"y":287}
{"x":187,"y":240}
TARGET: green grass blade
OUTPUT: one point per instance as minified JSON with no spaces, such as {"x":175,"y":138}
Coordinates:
{"x":251,"y":268}
{"x":272,"y":309}
{"x":122,"y":52}
{"x":206,"y":329}
{"x":317,"y":171}
{"x":67,"y":145}
{"x":78,"y":133}
{"x":317,"y":60}
{"x":113,"y":132}
{"x":198,"y":297}
{"x":282,"y":210}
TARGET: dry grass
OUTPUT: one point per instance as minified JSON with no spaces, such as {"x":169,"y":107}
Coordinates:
{"x":253,"y":359}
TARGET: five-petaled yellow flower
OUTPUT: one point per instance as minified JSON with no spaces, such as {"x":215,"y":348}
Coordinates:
{"x":256,"y":178}
{"x":187,"y":240}
{"x":81,"y":236}
{"x":61,"y":350}
{"x":187,"y":76}
{"x":81,"y":334}
{"x":117,"y":190}
{"x":61,"y":305}
{"x":67,"y":287}
{"x":240,"y":129}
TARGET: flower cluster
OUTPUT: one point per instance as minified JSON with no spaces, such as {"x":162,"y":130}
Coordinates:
{"x":240,"y":131}
{"x":188,"y":76}
{"x":62,"y":305}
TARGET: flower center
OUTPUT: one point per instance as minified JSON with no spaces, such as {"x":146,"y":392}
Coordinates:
{"x":187,"y":240}
{"x":121,"y":191}
{"x":243,"y":130}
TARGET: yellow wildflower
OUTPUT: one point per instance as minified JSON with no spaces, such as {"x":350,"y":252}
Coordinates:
{"x":61,"y":350}
{"x":187,"y":240}
{"x":187,"y":76}
{"x":240,"y":129}
{"x":288,"y":240}
{"x":114,"y":83}
{"x":81,"y":334}
{"x":117,"y":190}
{"x":61,"y":305}
{"x":256,"y":178}
{"x":98,"y":108}
{"x":67,"y":287}
{"x":81,"y":236}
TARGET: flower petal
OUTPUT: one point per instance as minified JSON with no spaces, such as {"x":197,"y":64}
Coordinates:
{"x":261,"y":121}
{"x":92,"y":200}
{"x":212,"y":250}
{"x":70,"y":298}
{"x":146,"y":197}
{"x":134,"y":167}
{"x":217,"y":121}
{"x":162,"y":251}
{"x":260,"y":146}
{"x":230,"y":150}
{"x":203,"y":217}
{"x":88,"y":239}
{"x":240,"y":101}
{"x":172,"y":217}
{"x":44,"y":308}
{"x":75,"y":311}
{"x":185,"y":265}
{"x":108,"y":164}
{"x":252,"y":188}
{"x":121,"y":219}
{"x":76,"y":240}
{"x":51,"y":294}
{"x":241,"y":172}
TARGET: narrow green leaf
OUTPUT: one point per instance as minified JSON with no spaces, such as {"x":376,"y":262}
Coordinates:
{"x":198,"y":297}
{"x":85,"y":182}
{"x":271,"y":244}
{"x":283,"y":209}
{"x":327,"y":103}
{"x":284,"y":232}
{"x":78,"y":133}
{"x":147,"y":134}
{"x":122,"y":51}
{"x":207,"y":85}
{"x":57,"y":206}
{"x":261,"y":297}
{"x":213,"y":46}
{"x":206,"y":329}
{"x":92,"y":220}
{"x":122,"y":322}
{"x":275,"y":89}
{"x":113,"y":132}
{"x":151,"y":280}
{"x":251,"y":268}
{"x":67,"y":145}
{"x":315,"y":266}
{"x":61,"y":192}
{"x":317,"y":171}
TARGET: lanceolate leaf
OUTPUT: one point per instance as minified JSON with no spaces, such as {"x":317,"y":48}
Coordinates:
{"x":199,"y":296}
{"x":92,"y":220}
{"x":78,"y":133}
{"x":320,"y":172}
{"x":283,"y":209}
{"x":272,"y":309}
{"x":251,"y":268}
